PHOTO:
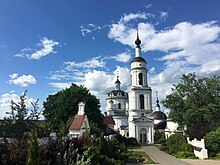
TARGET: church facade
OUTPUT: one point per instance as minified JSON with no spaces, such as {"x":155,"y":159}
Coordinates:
{"x":132,"y":111}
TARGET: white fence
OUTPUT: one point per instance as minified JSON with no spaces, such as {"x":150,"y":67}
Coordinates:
{"x":199,"y":148}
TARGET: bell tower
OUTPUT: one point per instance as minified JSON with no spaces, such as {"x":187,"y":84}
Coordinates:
{"x":140,"y":99}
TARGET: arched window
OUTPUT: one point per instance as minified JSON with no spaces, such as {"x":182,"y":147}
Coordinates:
{"x":140,"y":77}
{"x":141,"y":101}
{"x":119,"y":105}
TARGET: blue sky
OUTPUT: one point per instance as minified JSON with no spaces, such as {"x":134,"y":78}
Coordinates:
{"x":47,"y":45}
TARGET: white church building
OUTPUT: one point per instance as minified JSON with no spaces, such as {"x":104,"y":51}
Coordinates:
{"x":132,"y":111}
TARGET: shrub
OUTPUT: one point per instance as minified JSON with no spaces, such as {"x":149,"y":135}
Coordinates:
{"x":212,"y":142}
{"x":15,"y":152}
{"x":218,"y":155}
{"x":132,"y":142}
{"x":163,"y":148}
{"x":110,"y":161}
{"x":159,"y":137}
{"x":132,"y":159}
{"x":176,"y":143}
{"x":185,"y":155}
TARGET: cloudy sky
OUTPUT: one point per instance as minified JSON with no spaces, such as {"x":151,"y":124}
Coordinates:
{"x":47,"y":45}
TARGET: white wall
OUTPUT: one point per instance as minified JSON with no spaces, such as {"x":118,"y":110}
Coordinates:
{"x":203,"y":154}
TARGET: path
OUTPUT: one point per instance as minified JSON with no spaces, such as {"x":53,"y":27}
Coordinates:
{"x":202,"y":162}
{"x":161,"y":157}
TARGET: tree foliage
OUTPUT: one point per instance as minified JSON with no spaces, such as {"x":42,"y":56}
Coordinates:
{"x":60,"y":108}
{"x":177,"y":143}
{"x":21,"y":118}
{"x":159,"y":137}
{"x":195,"y":103}
{"x":212,"y":142}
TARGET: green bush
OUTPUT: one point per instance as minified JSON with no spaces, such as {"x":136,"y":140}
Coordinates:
{"x":176,"y":143}
{"x":110,"y":161}
{"x":163,"y":148}
{"x":132,"y":159}
{"x":132,"y":142}
{"x":212,"y":142}
{"x":218,"y":155}
{"x":185,"y":155}
{"x":159,"y":137}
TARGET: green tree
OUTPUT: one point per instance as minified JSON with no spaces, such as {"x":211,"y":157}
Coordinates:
{"x":60,"y":108}
{"x":21,"y":118}
{"x":19,"y":110}
{"x":212,"y":142}
{"x":195,"y":103}
{"x":33,"y":154}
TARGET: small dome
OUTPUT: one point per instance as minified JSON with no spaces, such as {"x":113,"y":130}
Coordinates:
{"x":158,"y":115}
{"x":138,"y":59}
{"x":117,"y":93}
{"x":162,"y":117}
{"x":138,"y":42}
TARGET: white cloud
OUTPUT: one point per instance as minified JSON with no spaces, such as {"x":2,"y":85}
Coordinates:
{"x":152,"y":70}
{"x":163,"y":15}
{"x":211,"y":67}
{"x":98,"y":81}
{"x":121,"y":57}
{"x":101,"y":82}
{"x":148,"y":6}
{"x":23,"y":80}
{"x":89,"y":28}
{"x":60,"y":85}
{"x":75,"y":71}
{"x":126,"y":35}
{"x":133,"y":16}
{"x":93,"y":63}
{"x":46,"y":47}
{"x":14,"y":75}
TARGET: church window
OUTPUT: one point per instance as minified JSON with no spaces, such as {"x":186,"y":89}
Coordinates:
{"x":140,"y":76}
{"x":119,"y":105}
{"x":141,"y":101}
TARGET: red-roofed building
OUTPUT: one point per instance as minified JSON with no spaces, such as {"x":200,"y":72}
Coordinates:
{"x":109,"y":121}
{"x":80,"y":123}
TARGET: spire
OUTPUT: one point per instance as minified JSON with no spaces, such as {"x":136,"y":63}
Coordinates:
{"x":138,"y":48}
{"x":137,"y":41}
{"x":117,"y":83}
{"x":157,"y":101}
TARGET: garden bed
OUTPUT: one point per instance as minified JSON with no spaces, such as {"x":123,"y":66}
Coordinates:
{"x":140,"y":157}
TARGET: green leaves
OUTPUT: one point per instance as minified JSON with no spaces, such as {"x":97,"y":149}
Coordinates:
{"x":21,"y":118}
{"x":60,"y":108}
{"x":195,"y":102}
{"x":212,"y":142}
